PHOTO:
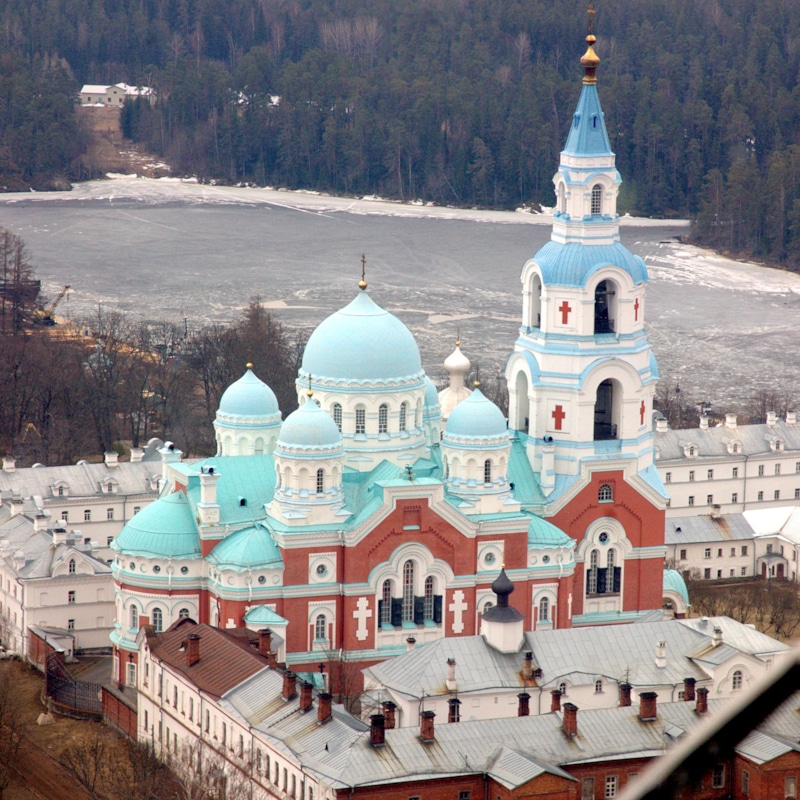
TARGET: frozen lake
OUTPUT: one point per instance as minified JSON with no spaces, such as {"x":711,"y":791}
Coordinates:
{"x":165,"y":250}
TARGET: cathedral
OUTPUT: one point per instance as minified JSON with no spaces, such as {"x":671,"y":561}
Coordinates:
{"x":379,"y":514}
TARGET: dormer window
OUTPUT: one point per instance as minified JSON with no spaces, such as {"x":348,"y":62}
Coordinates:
{"x":61,"y":489}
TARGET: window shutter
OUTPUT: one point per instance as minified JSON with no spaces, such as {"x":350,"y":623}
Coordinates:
{"x":419,"y":610}
{"x":397,"y":611}
{"x":380,"y":611}
{"x":617,"y":578}
{"x":601,"y":580}
{"x":437,"y":609}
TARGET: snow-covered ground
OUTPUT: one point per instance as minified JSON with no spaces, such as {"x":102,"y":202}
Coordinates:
{"x":167,"y":249}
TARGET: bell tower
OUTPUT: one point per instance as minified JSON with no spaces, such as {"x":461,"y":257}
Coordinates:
{"x":582,"y":376}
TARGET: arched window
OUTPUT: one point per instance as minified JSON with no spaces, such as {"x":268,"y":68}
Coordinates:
{"x":598,"y":686}
{"x":591,"y":576}
{"x":386,"y":603}
{"x":134,"y":618}
{"x":158,"y":620}
{"x":183,"y":613}
{"x":612,"y":573}
{"x":403,"y":412}
{"x":562,"y":198}
{"x":72,"y":566}
{"x":408,"y":591}
{"x":605,"y":494}
{"x":320,"y":481}
{"x":446,"y":468}
{"x":320,"y":628}
{"x":361,"y":420}
{"x":337,"y":415}
{"x":605,"y":410}
{"x":418,"y":415}
{"x":544,"y":610}
{"x":604,"y":296}
{"x":562,"y":687}
{"x":487,"y":471}
{"x":736,"y":680}
{"x":428,"y":610}
{"x":383,"y":418}
{"x":597,"y":199}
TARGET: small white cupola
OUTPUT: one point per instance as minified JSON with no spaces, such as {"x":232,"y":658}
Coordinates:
{"x":309,"y":459}
{"x":502,"y":625}
{"x":457,"y":366}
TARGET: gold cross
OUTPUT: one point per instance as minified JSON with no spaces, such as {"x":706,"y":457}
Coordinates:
{"x":591,"y":12}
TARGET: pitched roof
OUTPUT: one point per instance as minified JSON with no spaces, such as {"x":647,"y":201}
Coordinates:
{"x":226,"y":659}
{"x":698,"y":529}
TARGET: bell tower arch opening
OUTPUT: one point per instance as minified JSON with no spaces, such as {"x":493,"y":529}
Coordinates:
{"x":605,"y":306}
{"x":607,"y":410}
{"x":535,"y":320}
{"x":521,"y":421}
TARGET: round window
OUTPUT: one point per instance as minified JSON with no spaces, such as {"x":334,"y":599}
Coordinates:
{"x":321,"y":569}
{"x":184,"y":570}
{"x":545,"y":559}
{"x":132,"y":565}
{"x":603,"y":538}
{"x":489,"y":558}
{"x":156,"y":569}
{"x":262,"y":578}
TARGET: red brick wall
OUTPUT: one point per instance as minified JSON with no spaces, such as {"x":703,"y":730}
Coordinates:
{"x":119,"y":714}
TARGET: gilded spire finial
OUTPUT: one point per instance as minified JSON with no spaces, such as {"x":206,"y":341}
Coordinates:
{"x":309,"y":391}
{"x":249,"y":365}
{"x":458,"y":336}
{"x":590,"y":60}
{"x":477,"y":382}
{"x":362,"y":284}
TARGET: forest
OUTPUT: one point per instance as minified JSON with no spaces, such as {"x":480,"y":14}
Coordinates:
{"x":462,"y":102}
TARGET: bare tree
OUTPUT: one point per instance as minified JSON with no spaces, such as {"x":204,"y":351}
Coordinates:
{"x":86,"y":760}
{"x":13,"y":726}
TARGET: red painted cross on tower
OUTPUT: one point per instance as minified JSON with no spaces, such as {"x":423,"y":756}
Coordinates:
{"x":636,"y":310}
{"x":559,"y":415}
{"x":642,"y":410}
{"x":564,"y":308}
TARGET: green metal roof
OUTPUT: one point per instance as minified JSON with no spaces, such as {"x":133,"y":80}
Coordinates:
{"x":247,"y":549}
{"x":165,"y":528}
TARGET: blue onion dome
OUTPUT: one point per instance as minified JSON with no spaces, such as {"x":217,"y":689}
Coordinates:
{"x":361,"y":342}
{"x":164,"y":529}
{"x":477,"y":416}
{"x":308,"y":428}
{"x":249,"y":397}
{"x":431,"y":395}
{"x":544,"y":535}
{"x":250,"y":548}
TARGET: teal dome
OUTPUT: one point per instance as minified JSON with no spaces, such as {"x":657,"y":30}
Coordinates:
{"x":544,"y":535}
{"x":362,"y":342}
{"x":476,"y":416}
{"x":309,"y":426}
{"x":164,"y":529}
{"x":431,"y":395}
{"x":573,"y":263}
{"x":250,"y":548}
{"x":249,"y":397}
{"x":673,"y":581}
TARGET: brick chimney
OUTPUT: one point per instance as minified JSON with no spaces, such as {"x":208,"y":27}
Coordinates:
{"x":192,"y":649}
{"x":624,"y":694}
{"x":688,"y":689}
{"x":772,"y":418}
{"x":570,"y":719}
{"x":306,"y":696}
{"x":264,"y":642}
{"x":791,"y":418}
{"x":388,"y":708}
{"x":648,"y":710}
{"x":702,"y":701}
{"x":426,"y":726}
{"x":523,"y":708}
{"x":377,"y":730}
{"x":324,"y":708}
{"x":716,"y":636}
{"x":410,"y":642}
{"x":527,"y":666}
{"x":111,"y":459}
{"x":555,"y":700}
{"x":289,"y":685}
